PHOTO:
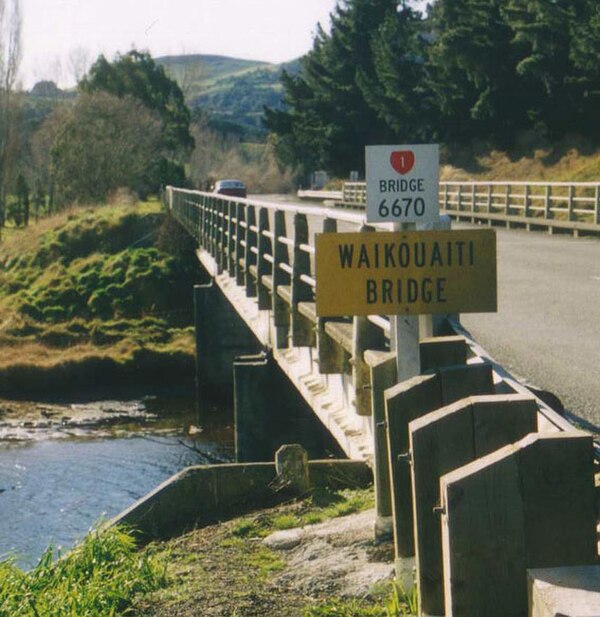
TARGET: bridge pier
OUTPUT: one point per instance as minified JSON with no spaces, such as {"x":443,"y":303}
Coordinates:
{"x":221,"y":336}
{"x":269,"y":413}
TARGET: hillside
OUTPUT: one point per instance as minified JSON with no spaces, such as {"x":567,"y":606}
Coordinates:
{"x":232,"y":91}
{"x":95,"y":296}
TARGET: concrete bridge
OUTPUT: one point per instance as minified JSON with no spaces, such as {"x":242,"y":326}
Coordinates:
{"x":464,"y":424}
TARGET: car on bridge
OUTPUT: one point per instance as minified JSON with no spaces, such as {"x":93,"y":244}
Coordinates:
{"x":232,"y":188}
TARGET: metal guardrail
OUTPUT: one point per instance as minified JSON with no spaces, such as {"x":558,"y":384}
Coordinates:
{"x":573,"y":206}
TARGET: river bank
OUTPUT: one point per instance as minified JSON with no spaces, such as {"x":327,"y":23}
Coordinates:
{"x":96,"y":296}
{"x":314,"y":557}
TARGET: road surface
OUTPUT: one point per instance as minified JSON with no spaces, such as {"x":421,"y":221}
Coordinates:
{"x":547,"y":328}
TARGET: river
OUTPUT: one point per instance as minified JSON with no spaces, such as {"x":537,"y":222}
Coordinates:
{"x":58,"y":479}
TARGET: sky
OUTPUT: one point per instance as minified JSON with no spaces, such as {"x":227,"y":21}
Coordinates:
{"x":58,"y":34}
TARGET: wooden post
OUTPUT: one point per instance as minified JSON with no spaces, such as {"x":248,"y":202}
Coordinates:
{"x":526,"y":505}
{"x":303,"y":333}
{"x":441,"y":442}
{"x":526,"y":200}
{"x":383,"y":376}
{"x":571,"y":203}
{"x":548,"y":214}
{"x":281,"y":310}
{"x":408,"y":401}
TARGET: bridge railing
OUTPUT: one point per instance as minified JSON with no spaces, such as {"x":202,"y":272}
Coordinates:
{"x":573,"y":206}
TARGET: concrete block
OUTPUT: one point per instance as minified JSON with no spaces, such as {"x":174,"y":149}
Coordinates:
{"x":564,"y":592}
{"x":291,"y":463}
{"x":528,"y":505}
{"x":441,"y":442}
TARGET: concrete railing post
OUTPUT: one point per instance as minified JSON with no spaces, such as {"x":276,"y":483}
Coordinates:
{"x":221,"y":237}
{"x":281,"y":310}
{"x":231,"y":227}
{"x":303,"y":333}
{"x":240,"y":241}
{"x":597,"y":205}
{"x":263,"y":266}
{"x":331,"y":356}
{"x":527,"y":505}
{"x":251,"y":252}
{"x":441,"y":442}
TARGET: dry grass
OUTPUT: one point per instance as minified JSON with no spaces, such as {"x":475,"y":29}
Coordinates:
{"x":571,"y":159}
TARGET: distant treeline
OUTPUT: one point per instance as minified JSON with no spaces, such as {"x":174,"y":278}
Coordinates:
{"x":467,"y":69}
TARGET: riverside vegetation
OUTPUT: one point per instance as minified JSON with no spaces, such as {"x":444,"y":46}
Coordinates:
{"x":95,"y":296}
{"x":219,"y":570}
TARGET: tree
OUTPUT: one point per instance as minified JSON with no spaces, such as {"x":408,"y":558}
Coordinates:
{"x":326,"y":120}
{"x":397,"y":90}
{"x":102,"y":143}
{"x":136,"y":74}
{"x":10,"y":57}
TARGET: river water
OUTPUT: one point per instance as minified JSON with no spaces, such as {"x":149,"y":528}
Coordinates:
{"x":58,"y":481}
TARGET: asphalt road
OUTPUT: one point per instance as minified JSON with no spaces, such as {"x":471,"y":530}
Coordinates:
{"x":547,"y":328}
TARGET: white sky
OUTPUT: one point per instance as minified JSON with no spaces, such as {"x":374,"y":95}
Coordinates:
{"x":271,"y":30}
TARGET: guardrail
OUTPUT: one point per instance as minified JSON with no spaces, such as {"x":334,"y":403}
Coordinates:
{"x":504,"y":471}
{"x":572,"y":206}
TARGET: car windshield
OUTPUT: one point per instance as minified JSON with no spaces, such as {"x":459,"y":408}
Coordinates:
{"x":230,"y":184}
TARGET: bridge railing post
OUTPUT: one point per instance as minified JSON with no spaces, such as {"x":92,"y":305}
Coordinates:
{"x":331,"y":357}
{"x":548,"y":214}
{"x":221,"y":241}
{"x":231,"y":209}
{"x":281,"y":276}
{"x":240,"y":249}
{"x":263,"y":266}
{"x":303,"y":334}
{"x":251,"y":251}
{"x":571,"y":213}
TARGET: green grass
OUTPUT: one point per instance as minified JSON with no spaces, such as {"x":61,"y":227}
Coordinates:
{"x":99,"y":578}
{"x":109,"y":282}
{"x":321,"y":505}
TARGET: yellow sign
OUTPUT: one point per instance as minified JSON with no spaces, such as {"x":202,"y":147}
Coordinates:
{"x":407,"y":272}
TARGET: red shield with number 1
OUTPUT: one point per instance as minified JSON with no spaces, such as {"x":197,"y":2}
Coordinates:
{"x":402,"y":161}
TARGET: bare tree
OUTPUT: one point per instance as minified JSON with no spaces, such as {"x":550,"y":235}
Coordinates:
{"x":10,"y":58}
{"x":78,"y":63}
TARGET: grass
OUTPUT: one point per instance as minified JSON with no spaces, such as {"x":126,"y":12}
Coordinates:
{"x":531,"y":157}
{"x":93,"y":286}
{"x":99,"y":578}
{"x":320,"y":506}
{"x":226,"y":569}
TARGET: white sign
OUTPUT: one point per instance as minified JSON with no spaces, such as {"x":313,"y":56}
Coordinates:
{"x":402,"y":183}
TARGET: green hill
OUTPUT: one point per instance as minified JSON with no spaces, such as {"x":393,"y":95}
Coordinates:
{"x":231,"y":91}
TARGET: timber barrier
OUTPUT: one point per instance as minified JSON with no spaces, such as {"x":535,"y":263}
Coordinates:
{"x":476,"y":477}
{"x":555,"y":206}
